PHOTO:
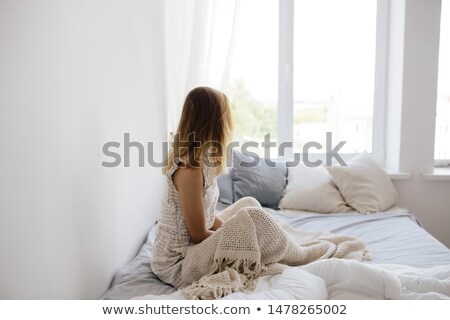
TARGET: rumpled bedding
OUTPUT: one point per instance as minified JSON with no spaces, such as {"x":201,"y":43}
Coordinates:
{"x":404,"y":254}
{"x":339,"y":279}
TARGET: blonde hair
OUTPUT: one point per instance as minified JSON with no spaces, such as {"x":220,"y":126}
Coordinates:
{"x":206,"y":123}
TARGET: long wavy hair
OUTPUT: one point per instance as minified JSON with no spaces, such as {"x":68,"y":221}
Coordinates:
{"x":204,"y":131}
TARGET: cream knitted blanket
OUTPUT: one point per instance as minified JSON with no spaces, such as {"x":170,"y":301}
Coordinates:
{"x":251,"y":244}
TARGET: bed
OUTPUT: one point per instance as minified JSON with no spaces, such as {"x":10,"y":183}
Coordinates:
{"x":395,"y":238}
{"x":357,"y":200}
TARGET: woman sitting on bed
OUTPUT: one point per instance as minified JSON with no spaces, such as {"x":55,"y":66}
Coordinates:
{"x":191,"y":194}
{"x":191,"y":242}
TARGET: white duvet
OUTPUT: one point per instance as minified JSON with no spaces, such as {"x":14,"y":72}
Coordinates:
{"x":346,"y":279}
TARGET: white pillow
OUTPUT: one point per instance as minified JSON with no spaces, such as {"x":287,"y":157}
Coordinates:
{"x":364,"y":185}
{"x":312,"y":189}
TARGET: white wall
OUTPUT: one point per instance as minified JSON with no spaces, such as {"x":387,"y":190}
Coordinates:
{"x":412,"y":83}
{"x":429,"y":201}
{"x":74,"y":75}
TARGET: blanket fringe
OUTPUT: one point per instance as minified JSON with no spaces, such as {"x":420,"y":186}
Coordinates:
{"x":202,"y":292}
{"x":227,"y":276}
{"x":368,"y":256}
{"x":247,"y":267}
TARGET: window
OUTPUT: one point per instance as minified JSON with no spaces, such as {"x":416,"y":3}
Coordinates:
{"x":334,"y":72}
{"x":254,"y":75}
{"x":304,"y":68}
{"x":442,"y":140}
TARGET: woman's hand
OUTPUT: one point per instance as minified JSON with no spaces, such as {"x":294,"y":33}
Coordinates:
{"x":189,"y":183}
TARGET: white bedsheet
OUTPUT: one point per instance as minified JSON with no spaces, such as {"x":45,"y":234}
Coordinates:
{"x":346,"y":279}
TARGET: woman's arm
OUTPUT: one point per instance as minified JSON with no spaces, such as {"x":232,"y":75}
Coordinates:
{"x":189,"y":183}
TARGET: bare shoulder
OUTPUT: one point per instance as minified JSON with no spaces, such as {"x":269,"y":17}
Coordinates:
{"x":188,"y":177}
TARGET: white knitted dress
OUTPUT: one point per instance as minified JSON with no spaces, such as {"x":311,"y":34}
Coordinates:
{"x":172,"y":236}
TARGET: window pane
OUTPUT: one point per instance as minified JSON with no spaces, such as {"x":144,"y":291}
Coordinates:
{"x":334,"y":72}
{"x":442,"y":144}
{"x":254,"y":75}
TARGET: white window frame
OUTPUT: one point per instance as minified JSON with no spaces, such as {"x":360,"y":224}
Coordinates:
{"x":285,"y":80}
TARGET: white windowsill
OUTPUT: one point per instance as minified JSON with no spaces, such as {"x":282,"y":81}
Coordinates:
{"x":396,"y":175}
{"x":400,"y":176}
{"x":437,"y":174}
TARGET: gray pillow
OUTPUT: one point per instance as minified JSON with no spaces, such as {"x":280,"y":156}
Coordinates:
{"x":225,"y":184}
{"x":253,"y":177}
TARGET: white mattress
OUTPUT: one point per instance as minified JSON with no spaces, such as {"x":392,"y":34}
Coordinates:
{"x":393,"y":237}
